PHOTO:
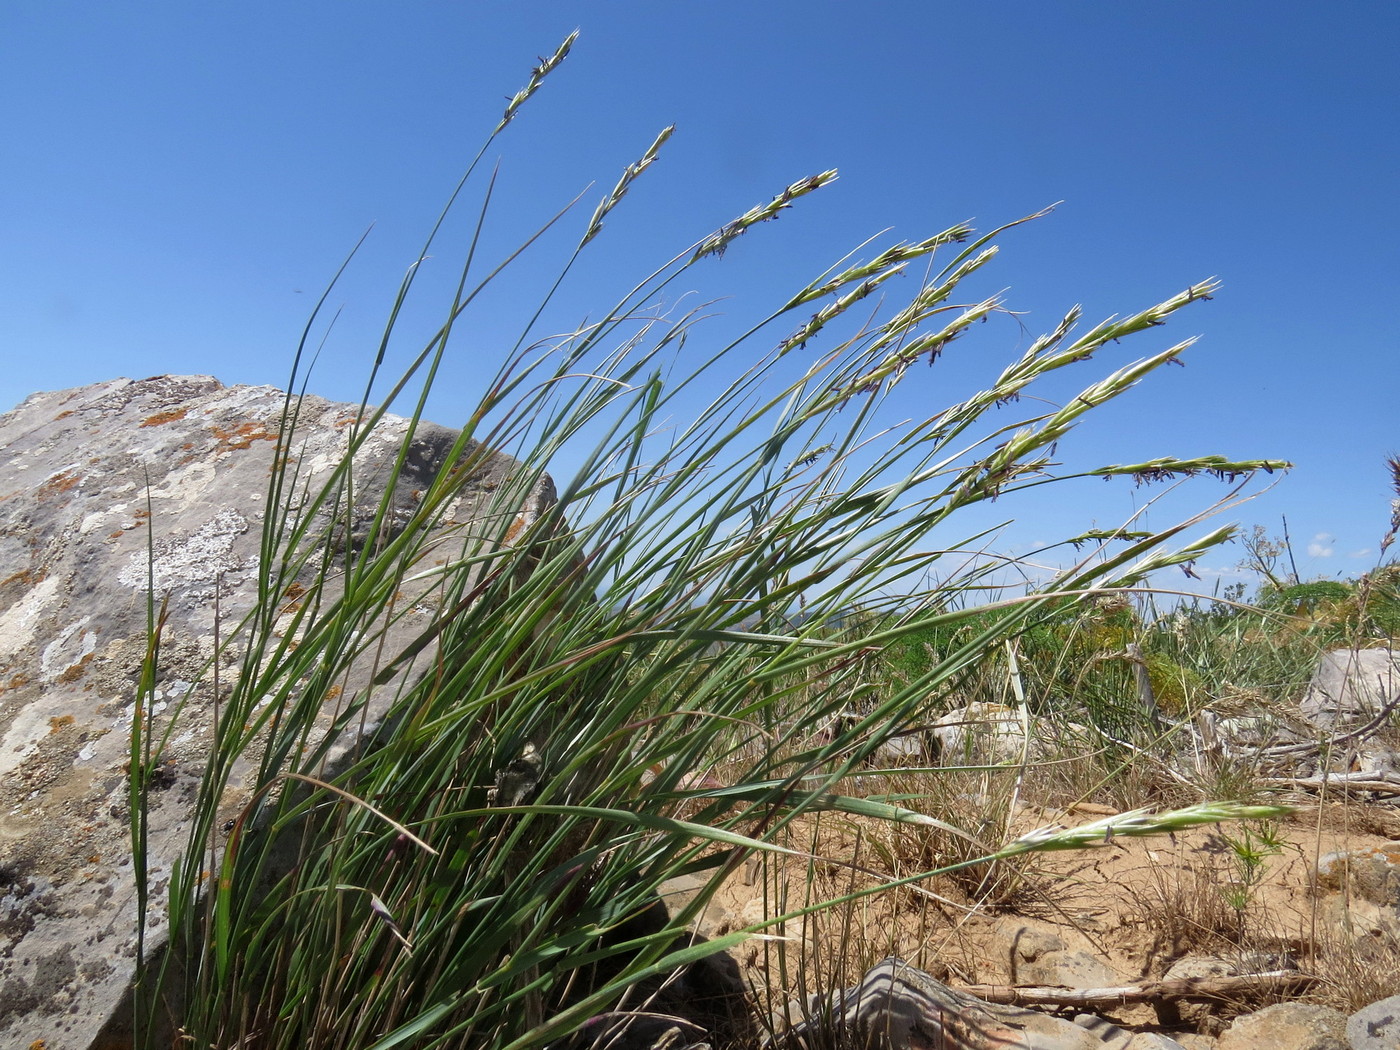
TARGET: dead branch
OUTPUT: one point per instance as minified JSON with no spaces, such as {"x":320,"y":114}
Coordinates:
{"x":1379,"y":782}
{"x":1233,"y":987}
{"x":1357,"y":735}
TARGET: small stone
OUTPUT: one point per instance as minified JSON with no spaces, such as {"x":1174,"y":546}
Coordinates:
{"x":1372,"y":874}
{"x":1151,"y":1041}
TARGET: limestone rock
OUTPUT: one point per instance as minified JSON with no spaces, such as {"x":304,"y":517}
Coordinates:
{"x":1038,"y":954}
{"x":105,"y":492}
{"x":980,"y":734}
{"x":1287,"y":1026}
{"x":1189,"y":966}
{"x":1372,"y":874}
{"x":706,"y":1000}
{"x":1375,"y":1027}
{"x":1351,"y":686}
{"x":1147,"y":1041}
{"x":637,"y":1031}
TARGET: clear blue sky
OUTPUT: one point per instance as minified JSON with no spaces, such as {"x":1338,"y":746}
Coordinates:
{"x":179,"y":181}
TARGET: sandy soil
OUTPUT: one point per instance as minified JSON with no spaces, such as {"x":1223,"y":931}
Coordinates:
{"x":1215,"y":900}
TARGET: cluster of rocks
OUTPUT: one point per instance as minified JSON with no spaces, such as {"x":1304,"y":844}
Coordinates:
{"x":1061,"y":992}
{"x":1338,"y":734}
{"x":1340,"y":727}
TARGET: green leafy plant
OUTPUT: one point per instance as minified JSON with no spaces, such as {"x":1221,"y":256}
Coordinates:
{"x":1251,"y":848}
{"x":619,"y":690}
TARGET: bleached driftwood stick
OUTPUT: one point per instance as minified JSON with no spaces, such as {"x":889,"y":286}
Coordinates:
{"x":1273,"y":981}
{"x":1381,"y":783}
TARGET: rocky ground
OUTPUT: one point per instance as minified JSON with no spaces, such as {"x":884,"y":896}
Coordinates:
{"x":1192,"y":937}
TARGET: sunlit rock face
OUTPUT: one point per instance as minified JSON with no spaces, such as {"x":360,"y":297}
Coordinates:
{"x":1352,"y":686}
{"x":117,"y":499}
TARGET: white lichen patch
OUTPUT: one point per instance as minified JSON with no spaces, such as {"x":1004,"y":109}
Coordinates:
{"x":70,"y":647}
{"x":327,"y":460}
{"x":391,"y":430}
{"x":127,"y":718}
{"x":19,"y":623}
{"x":200,"y":558}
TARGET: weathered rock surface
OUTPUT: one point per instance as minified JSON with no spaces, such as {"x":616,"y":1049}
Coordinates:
{"x":979,"y":734}
{"x":91,"y":479}
{"x":1373,"y":874}
{"x":1375,"y":1027}
{"x":1287,"y":1026}
{"x":1038,"y":954}
{"x":1351,"y":686}
{"x":705,"y":1003}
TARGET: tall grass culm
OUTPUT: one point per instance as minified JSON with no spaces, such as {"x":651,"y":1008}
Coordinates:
{"x":640,"y":684}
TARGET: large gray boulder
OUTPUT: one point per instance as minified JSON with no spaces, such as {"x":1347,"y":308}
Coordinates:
{"x":1352,"y":686}
{"x":106,"y":490}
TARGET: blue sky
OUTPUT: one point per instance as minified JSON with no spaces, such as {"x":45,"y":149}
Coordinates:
{"x":179,"y":181}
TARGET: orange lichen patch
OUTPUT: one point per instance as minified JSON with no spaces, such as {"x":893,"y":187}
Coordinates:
{"x":25,"y":578}
{"x":345,"y":421}
{"x":292,"y":596}
{"x":60,"y":721}
{"x":280,"y":459}
{"x":164,"y":417}
{"x":63,"y":415}
{"x":333,"y":692}
{"x":95,"y":858}
{"x":18,"y":680}
{"x":63,"y":481}
{"x":38,"y":1044}
{"x":119,"y":532}
{"x":243,"y":435}
{"x":76,"y":671}
{"x":516,"y":528}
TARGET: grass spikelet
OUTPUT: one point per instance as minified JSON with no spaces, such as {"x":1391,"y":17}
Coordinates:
{"x":537,"y":77}
{"x":719,"y":241}
{"x":833,"y":310}
{"x":629,"y":175}
{"x":896,"y":255}
{"x":1137,"y":823}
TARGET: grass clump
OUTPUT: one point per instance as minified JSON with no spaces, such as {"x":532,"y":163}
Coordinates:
{"x":653,"y":677}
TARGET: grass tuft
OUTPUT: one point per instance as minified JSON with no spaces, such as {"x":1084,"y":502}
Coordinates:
{"x":677,"y":670}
